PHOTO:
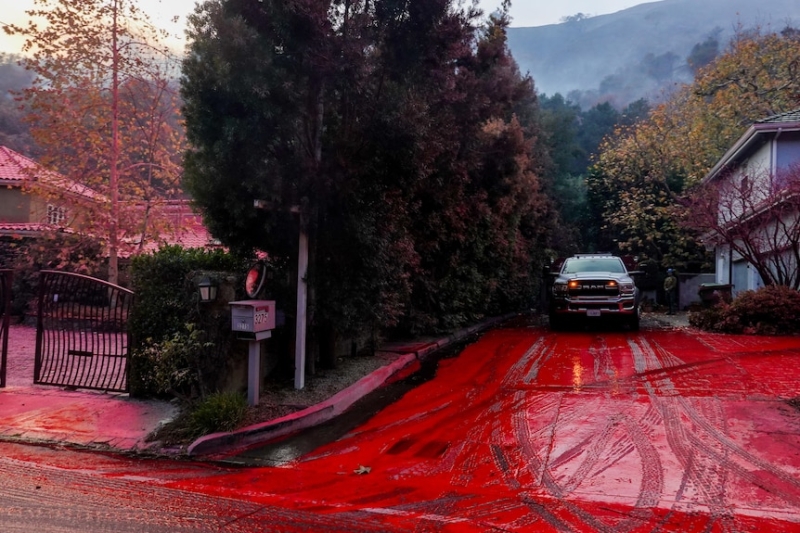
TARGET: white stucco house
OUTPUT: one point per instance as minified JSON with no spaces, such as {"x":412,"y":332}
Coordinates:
{"x":756,"y":210}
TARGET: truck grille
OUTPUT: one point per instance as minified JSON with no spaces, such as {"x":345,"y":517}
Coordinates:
{"x":595,"y":287}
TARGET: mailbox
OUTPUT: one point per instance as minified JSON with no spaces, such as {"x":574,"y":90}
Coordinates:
{"x":253,"y":319}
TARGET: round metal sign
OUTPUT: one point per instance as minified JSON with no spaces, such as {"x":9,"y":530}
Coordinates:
{"x":255,"y":279}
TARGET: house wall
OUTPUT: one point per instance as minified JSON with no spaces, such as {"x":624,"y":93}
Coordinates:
{"x":760,"y":162}
{"x":38,"y":209}
{"x":19,"y":207}
{"x":757,"y":169}
{"x":14,"y":205}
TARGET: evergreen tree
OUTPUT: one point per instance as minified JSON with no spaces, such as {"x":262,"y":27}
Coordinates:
{"x":402,"y":136}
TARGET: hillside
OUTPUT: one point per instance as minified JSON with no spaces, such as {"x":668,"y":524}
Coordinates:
{"x":637,"y":52}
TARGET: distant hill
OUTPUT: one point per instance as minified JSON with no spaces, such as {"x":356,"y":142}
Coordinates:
{"x":637,"y":52}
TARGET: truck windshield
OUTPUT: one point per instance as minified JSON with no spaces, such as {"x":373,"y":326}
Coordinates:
{"x":592,"y":264}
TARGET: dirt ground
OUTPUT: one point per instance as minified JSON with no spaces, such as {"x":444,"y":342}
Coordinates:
{"x":279,"y":397}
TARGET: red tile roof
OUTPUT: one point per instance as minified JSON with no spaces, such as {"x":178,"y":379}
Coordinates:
{"x":22,"y":229}
{"x":188,"y":230}
{"x":16,"y":169}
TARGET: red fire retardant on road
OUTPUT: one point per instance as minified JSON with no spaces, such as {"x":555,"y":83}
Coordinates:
{"x":529,"y":430}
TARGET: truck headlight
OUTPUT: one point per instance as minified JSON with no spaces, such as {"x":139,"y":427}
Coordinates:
{"x":560,"y":288}
{"x":627,"y":288}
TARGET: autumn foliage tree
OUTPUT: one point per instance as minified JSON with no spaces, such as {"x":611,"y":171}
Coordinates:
{"x":402,"y":133}
{"x":103,"y":111}
{"x":649,"y":166}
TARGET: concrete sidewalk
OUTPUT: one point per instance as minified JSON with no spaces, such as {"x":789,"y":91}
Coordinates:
{"x":111,"y":421}
{"x":678,"y":320}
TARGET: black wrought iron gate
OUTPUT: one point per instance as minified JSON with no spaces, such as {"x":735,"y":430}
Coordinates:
{"x":6,"y":276}
{"x":81,"y":332}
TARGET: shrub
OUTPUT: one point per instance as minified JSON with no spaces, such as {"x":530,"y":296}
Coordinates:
{"x":708,"y":319}
{"x":773,"y":310}
{"x":166,"y":300}
{"x":172,"y":366}
{"x":164,"y":292}
{"x":222,"y":411}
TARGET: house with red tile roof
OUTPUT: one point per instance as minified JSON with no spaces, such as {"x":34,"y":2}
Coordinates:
{"x":34,"y":199}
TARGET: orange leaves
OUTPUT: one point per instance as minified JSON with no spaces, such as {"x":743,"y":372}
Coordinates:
{"x":647,"y":168}
{"x":103,"y":107}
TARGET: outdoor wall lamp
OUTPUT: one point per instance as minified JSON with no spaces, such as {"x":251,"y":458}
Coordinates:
{"x":208,"y":290}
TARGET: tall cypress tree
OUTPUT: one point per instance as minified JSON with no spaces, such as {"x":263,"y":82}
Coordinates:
{"x":400,"y":145}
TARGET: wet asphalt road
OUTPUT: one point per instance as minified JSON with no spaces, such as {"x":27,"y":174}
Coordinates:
{"x":525,"y":430}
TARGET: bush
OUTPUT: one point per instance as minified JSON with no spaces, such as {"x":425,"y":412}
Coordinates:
{"x":773,"y":310}
{"x":165,"y":294}
{"x":172,"y":366}
{"x":222,"y":411}
{"x":167,"y":356}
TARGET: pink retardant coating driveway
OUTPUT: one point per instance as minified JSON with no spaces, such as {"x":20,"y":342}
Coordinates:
{"x":33,"y":413}
{"x":528,"y":430}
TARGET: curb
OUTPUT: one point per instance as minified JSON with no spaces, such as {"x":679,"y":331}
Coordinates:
{"x":316,"y":414}
{"x":218,"y":443}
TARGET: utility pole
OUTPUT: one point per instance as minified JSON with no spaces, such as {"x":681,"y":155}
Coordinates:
{"x":302,"y":304}
{"x":302,"y":295}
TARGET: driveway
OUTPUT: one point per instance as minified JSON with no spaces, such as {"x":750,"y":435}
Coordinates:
{"x":529,"y":430}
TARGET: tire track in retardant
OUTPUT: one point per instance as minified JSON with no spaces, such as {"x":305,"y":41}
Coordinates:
{"x":706,"y":453}
{"x":524,"y":372}
{"x":600,"y":456}
{"x":510,"y":400}
{"x":526,"y":369}
{"x":604,"y":368}
{"x":726,"y":443}
{"x":700,"y":473}
{"x":594,"y":448}
{"x":466,"y":461}
{"x":634,"y":438}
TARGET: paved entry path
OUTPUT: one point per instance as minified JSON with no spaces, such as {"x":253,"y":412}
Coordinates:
{"x":47,"y":414}
{"x":21,"y":353}
{"x":528,"y":430}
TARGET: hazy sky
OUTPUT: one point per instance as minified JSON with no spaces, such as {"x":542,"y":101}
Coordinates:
{"x":523,"y":13}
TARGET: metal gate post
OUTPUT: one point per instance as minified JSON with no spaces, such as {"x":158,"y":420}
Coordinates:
{"x":6,"y":277}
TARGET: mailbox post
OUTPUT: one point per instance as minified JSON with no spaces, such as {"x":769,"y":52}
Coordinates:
{"x":253,"y":321}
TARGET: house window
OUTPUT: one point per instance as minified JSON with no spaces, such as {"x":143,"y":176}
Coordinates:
{"x":787,"y":159}
{"x":56,"y":215}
